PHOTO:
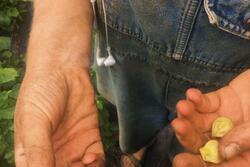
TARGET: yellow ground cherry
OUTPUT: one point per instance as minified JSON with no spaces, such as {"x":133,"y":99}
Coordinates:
{"x":210,"y":152}
{"x":221,"y":126}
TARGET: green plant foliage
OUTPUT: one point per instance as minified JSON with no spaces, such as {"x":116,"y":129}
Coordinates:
{"x":109,"y":129}
{"x":7,"y":75}
{"x":10,"y":77}
{"x":4,"y":43}
{"x":10,"y":11}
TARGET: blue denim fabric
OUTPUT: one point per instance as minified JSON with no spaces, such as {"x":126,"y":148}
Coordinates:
{"x":230,"y":15}
{"x":162,"y":48}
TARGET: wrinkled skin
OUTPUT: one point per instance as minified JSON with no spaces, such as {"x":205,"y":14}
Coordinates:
{"x":196,"y":114}
{"x":58,"y":109}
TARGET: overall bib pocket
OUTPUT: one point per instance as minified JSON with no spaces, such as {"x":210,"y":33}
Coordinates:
{"x":232,"y":16}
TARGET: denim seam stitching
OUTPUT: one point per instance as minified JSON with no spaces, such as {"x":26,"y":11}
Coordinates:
{"x":216,"y":66}
{"x":204,"y":65}
{"x":147,"y":42}
{"x":186,"y":27}
{"x":144,"y":38}
{"x":162,"y":69}
{"x":179,"y":39}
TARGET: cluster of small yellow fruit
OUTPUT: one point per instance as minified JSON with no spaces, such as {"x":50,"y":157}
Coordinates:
{"x":210,"y":151}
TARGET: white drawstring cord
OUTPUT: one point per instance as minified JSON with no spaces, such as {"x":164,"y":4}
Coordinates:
{"x":109,"y":61}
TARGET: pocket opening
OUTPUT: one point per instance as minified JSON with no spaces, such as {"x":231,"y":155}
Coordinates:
{"x":223,"y":21}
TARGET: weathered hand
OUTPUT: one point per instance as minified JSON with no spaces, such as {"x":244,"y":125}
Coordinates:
{"x":56,"y":121}
{"x":198,"y":111}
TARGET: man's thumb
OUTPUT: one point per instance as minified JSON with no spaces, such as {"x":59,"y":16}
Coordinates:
{"x":236,"y":141}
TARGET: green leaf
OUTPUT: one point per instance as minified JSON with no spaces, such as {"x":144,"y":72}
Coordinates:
{"x":3,"y":145}
{"x":7,"y":75}
{"x":14,"y":93}
{"x":4,"y":99}
{"x":7,"y":113}
{"x":7,"y":54}
{"x":13,"y":12}
{"x":5,"y":22}
{"x":12,"y":1}
{"x":9,"y":152}
{"x":4,"y":42}
{"x":99,"y":104}
{"x":11,"y":128}
{"x":9,"y":156}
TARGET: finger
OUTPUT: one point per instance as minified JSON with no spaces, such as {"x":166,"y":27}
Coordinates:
{"x":192,"y":160}
{"x":85,"y":144}
{"x":236,"y":161}
{"x":94,"y":155}
{"x":98,"y":161}
{"x":191,"y":139}
{"x":236,"y":141}
{"x":209,"y":102}
{"x":188,"y":160}
{"x":186,"y":110}
{"x":77,"y":164}
{"x":34,"y":135}
{"x":93,"y":158}
{"x":89,"y":158}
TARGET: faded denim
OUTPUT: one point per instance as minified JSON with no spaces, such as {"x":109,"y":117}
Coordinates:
{"x":162,"y":48}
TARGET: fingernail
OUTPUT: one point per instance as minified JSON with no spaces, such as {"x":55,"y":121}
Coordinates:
{"x":231,"y":150}
{"x":90,"y":158}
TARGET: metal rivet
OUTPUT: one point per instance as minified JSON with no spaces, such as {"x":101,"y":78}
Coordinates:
{"x":177,"y":56}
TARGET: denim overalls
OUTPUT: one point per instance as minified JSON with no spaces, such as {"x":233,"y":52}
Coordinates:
{"x":162,"y":48}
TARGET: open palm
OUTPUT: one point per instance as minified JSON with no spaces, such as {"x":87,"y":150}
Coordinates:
{"x":56,"y":122}
{"x":198,"y":111}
